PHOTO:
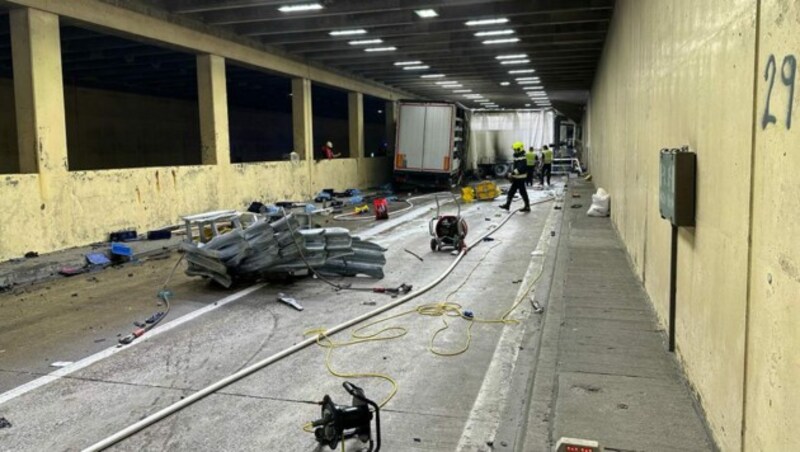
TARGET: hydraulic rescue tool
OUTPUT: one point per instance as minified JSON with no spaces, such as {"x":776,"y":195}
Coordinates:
{"x":341,"y":422}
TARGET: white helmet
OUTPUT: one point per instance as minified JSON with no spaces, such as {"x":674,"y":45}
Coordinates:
{"x":329,"y":144}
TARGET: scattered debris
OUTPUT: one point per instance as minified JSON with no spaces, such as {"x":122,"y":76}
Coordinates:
{"x":281,"y":247}
{"x":121,"y":252}
{"x":289,"y":301}
{"x":414,"y":254}
{"x":369,"y":303}
{"x":122,"y":236}
{"x":4,"y":423}
{"x":488,"y":219}
{"x":72,"y":271}
{"x":538,"y":309}
{"x":75,"y":294}
{"x":576,"y":206}
{"x":488,"y":239}
{"x":417,"y":440}
{"x":31,"y":254}
{"x":160,"y":234}
{"x":557,"y":207}
{"x":97,"y":341}
{"x":622,"y":406}
{"x":552,"y":233}
{"x":99,"y":259}
{"x":576,"y":195}
{"x":61,"y":364}
{"x":516,"y":281}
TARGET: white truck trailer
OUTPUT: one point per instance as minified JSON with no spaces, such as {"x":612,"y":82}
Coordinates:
{"x":431,"y":143}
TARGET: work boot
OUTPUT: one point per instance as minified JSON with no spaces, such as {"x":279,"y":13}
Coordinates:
{"x":525,"y":209}
{"x":504,"y":206}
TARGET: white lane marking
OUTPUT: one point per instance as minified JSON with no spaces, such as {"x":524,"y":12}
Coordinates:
{"x":92,"y":359}
{"x":484,"y":418}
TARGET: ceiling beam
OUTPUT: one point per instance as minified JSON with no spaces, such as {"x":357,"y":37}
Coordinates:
{"x":445,"y":39}
{"x":344,"y":8}
{"x":572,"y":18}
{"x":511,"y":10}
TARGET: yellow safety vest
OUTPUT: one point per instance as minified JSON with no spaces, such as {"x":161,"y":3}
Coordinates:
{"x":547,"y":156}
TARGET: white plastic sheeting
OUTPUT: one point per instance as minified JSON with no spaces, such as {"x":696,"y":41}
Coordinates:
{"x":493,"y":133}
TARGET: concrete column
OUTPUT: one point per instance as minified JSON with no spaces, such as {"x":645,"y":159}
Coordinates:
{"x":302,"y":119}
{"x":355,"y":115}
{"x":212,"y":97}
{"x":39,"y":93}
{"x":391,"y":124}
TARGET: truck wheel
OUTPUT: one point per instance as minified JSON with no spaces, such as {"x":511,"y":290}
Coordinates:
{"x":501,"y":169}
{"x":434,"y":245}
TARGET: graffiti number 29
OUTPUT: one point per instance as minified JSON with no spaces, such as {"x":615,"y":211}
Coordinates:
{"x":788,"y":73}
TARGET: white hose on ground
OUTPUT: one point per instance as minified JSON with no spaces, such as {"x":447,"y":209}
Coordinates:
{"x":214,"y":387}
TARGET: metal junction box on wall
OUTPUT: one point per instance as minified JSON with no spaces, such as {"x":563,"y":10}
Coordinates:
{"x":677,"y":187}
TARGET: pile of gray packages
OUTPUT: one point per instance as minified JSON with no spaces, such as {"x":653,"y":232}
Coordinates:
{"x":263,"y":247}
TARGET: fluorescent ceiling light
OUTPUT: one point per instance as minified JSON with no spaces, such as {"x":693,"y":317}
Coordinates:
{"x":432,"y":76}
{"x":529,"y":82}
{"x":501,"y":41}
{"x":527,"y":105}
{"x":381,"y":49}
{"x":455,"y":85}
{"x":359,"y":31}
{"x":447,"y":82}
{"x":505,"y":83}
{"x":426,"y":13}
{"x":495,"y":33}
{"x":477,"y":23}
{"x":362,"y":42}
{"x":533,"y":88}
{"x":507,"y":62}
{"x":460,"y":91}
{"x":516,"y":56}
{"x":520,"y":79}
{"x":473,"y":96}
{"x":407,"y":63}
{"x":300,"y":8}
{"x":415,"y":68}
{"x":522,"y":71}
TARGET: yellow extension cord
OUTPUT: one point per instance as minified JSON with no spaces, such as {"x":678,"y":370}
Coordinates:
{"x":441,"y":309}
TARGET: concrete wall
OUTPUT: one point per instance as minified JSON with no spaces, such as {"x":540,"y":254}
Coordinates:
{"x":93,"y":203}
{"x":683,"y":73}
{"x":772,"y":407}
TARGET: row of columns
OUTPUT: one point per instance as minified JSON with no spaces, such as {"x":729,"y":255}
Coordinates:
{"x":41,"y":121}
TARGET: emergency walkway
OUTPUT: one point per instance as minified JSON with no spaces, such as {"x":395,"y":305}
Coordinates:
{"x":603,"y":371}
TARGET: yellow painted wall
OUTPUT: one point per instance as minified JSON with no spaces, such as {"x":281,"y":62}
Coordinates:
{"x":773,"y":370}
{"x":93,"y":203}
{"x":675,"y":73}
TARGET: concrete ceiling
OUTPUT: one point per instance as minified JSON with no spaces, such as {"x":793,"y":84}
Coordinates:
{"x":562,"y":39}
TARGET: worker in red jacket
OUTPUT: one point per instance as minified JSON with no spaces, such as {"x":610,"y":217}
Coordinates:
{"x":327,"y":151}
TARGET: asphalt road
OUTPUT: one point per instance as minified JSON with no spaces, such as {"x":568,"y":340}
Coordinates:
{"x":437,"y":398}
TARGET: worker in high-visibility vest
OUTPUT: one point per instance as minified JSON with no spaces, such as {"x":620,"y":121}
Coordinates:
{"x":531,"y":160}
{"x":517,"y":177}
{"x":547,"y":165}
